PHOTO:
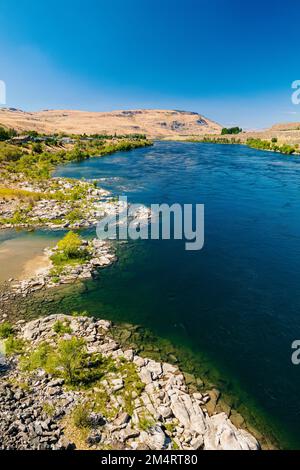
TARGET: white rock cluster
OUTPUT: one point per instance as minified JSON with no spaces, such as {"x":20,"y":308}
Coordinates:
{"x":165,"y":415}
{"x":102,"y":255}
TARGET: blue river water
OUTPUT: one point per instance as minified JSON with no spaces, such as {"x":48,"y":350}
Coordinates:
{"x":238,"y":299}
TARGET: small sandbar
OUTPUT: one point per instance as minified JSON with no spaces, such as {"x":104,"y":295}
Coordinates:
{"x":23,"y":257}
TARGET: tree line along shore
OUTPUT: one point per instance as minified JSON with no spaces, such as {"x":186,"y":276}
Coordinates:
{"x":271,"y":145}
{"x":31,"y":197}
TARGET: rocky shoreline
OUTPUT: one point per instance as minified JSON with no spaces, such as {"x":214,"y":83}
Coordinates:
{"x":134,"y":403}
{"x":58,"y":204}
{"x":101,"y":255}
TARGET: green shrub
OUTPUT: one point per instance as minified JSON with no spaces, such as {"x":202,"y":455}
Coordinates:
{"x":6,"y":330}
{"x":37,"y":359}
{"x":10,"y":153}
{"x":14,"y":346}
{"x":64,"y":360}
{"x":62,"y":328}
{"x":68,"y":358}
{"x":39,"y":164}
{"x":80,"y":416}
{"x":270,"y":145}
{"x":231,"y":130}
{"x":37,"y":147}
{"x":70,"y":245}
{"x":49,"y":409}
{"x":6,"y":134}
{"x":85,"y":313}
{"x":146,"y":422}
{"x":58,"y":259}
{"x":75,"y":215}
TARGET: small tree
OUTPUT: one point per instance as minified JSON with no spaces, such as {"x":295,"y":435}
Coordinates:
{"x":231,"y":130}
{"x":6,"y":134}
{"x":68,"y":357}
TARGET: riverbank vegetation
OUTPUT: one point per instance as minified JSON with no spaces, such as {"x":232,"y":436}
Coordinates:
{"x":35,"y":156}
{"x":6,"y":330}
{"x":268,"y":145}
{"x":272,"y":146}
{"x":215,"y":140}
{"x":38,"y":162}
{"x":231,"y":130}
{"x":70,"y":250}
{"x":30,"y":197}
{"x":6,"y":134}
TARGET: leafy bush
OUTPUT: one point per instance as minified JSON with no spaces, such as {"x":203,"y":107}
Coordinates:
{"x":270,"y":145}
{"x":75,"y":215}
{"x":10,"y":153}
{"x":231,"y":130}
{"x":80,"y":314}
{"x":49,"y":409}
{"x":62,"y":328}
{"x":63,"y":360}
{"x":6,"y":330}
{"x":80,"y":416}
{"x":78,"y":154}
{"x":68,"y":358}
{"x":39,"y":164}
{"x":37,"y":147}
{"x":6,"y":134}
{"x":14,"y":346}
{"x":70,"y":246}
{"x":38,"y":358}
{"x":70,"y":251}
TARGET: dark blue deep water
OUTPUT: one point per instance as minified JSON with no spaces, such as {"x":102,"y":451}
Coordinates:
{"x":238,"y":299}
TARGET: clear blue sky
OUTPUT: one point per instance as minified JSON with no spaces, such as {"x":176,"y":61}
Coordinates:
{"x":231,"y":60}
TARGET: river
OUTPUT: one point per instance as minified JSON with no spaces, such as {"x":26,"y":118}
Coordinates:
{"x":235,"y":304}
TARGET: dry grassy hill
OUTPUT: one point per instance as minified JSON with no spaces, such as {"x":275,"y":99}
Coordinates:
{"x":286,"y":126}
{"x":154,"y":123}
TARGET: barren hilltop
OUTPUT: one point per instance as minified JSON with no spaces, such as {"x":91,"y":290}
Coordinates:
{"x":154,"y":123}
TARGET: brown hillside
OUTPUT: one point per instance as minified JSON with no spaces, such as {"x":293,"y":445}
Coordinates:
{"x":154,"y":123}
